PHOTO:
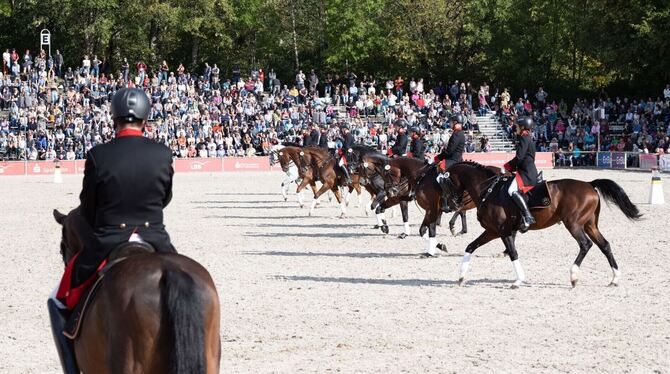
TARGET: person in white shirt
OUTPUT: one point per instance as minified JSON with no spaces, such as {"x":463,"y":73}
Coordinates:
{"x":666,"y":92}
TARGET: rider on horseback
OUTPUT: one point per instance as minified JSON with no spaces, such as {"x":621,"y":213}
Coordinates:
{"x":417,"y":148}
{"x":127,"y":183}
{"x":526,"y":173}
{"x":450,"y":155}
{"x":400,"y":146}
{"x":347,"y":143}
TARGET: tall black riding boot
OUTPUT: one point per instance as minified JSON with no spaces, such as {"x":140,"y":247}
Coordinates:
{"x":527,"y":217}
{"x":346,"y":174}
{"x":444,"y":196}
{"x":64,"y":345}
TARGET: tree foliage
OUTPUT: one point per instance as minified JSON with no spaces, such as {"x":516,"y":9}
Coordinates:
{"x":570,"y":46}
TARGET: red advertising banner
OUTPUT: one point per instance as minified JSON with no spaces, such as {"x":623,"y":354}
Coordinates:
{"x":648,"y":162}
{"x":190,"y":165}
{"x":246,"y":164}
{"x":543,"y":160}
{"x":12,"y":168}
{"x":48,"y":167}
{"x":79,"y":167}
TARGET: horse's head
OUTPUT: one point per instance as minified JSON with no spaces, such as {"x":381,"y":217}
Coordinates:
{"x":470,"y":177}
{"x":370,"y":164}
{"x":355,"y":157}
{"x":69,"y":243}
{"x":280,"y":154}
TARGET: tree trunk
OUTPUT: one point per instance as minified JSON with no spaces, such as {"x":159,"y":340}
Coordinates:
{"x":194,"y":52}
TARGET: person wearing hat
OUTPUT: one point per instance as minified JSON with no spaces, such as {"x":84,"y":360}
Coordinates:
{"x":523,"y":164}
{"x":127,"y":183}
{"x":400,"y":146}
{"x":347,"y":143}
{"x":450,"y":155}
{"x":417,"y":148}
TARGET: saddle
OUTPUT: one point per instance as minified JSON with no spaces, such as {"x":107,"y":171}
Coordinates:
{"x":537,"y":198}
{"x":118,"y":254}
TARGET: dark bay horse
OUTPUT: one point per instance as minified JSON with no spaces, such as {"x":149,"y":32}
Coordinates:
{"x":375,"y":185}
{"x":406,"y":179}
{"x":152,"y":313}
{"x":574,"y":203}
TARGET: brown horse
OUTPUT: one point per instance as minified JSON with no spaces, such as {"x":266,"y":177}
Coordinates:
{"x":281,"y":155}
{"x":318,"y":164}
{"x":574,"y":203}
{"x":406,"y":179}
{"x":152,"y":313}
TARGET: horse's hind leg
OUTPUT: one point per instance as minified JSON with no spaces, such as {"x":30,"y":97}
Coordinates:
{"x":452,"y":224}
{"x":585,"y":244}
{"x":593,"y":232}
{"x":482,"y":239}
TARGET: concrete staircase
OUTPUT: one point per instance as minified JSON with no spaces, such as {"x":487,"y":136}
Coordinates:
{"x":498,"y":138}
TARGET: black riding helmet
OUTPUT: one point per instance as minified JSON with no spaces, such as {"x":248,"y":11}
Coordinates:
{"x":458,"y":118}
{"x":131,"y":105}
{"x":525,"y":123}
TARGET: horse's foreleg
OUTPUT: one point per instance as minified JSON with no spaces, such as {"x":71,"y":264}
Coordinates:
{"x":405,"y":219}
{"x":317,"y":194}
{"x":464,"y":222}
{"x":285,"y":185}
{"x":482,"y":239}
{"x":516,"y":264}
{"x":390,"y":202}
{"x":341,"y":200}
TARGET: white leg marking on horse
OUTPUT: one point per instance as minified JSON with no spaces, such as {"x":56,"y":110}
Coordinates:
{"x":615,"y":277}
{"x":343,"y":206}
{"x":380,"y":216}
{"x":311,"y":208}
{"x":574,"y":274}
{"x":518,"y":271}
{"x":407,"y":228}
{"x":465,"y":265}
{"x":432,"y":246}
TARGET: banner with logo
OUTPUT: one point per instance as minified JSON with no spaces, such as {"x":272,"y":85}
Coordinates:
{"x":190,"y":165}
{"x":246,"y":164}
{"x":604,"y":160}
{"x":618,"y":160}
{"x":543,"y":160}
{"x":48,"y":167}
{"x":12,"y":168}
{"x":648,"y":162}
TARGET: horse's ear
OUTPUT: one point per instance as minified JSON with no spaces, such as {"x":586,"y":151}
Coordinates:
{"x":59,"y":217}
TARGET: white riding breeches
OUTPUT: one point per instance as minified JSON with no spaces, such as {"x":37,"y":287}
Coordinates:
{"x":513,"y":187}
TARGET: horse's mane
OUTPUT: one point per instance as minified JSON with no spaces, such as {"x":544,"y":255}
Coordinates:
{"x":364,"y":149}
{"x":476,"y":165}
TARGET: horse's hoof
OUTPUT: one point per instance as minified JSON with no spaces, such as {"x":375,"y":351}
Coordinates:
{"x":385,"y":229}
{"x":574,"y":283}
{"x":501,"y":254}
{"x":343,"y":216}
{"x":301,"y":206}
{"x":463,"y":232}
{"x":461,"y":281}
{"x":453,"y":230}
{"x":375,"y":227}
{"x":286,"y":198}
{"x":514,"y":286}
{"x":442,"y":247}
{"x":612,"y":284}
{"x":402,"y":236}
{"x":427,"y":255}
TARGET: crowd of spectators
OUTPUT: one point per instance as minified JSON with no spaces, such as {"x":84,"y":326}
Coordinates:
{"x":48,"y":111}
{"x":604,"y":124}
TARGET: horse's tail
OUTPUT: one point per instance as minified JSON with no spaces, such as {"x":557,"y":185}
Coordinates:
{"x":184,"y":312}
{"x":612,"y":192}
